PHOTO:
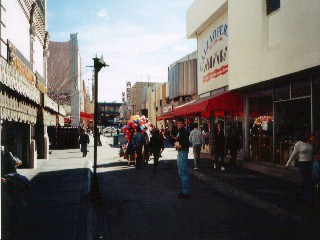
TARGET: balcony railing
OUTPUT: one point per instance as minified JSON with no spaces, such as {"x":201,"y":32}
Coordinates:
{"x":41,"y":7}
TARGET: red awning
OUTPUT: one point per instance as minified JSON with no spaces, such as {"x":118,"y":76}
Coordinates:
{"x":165,"y":117}
{"x":88,"y":116}
{"x":227,"y":101}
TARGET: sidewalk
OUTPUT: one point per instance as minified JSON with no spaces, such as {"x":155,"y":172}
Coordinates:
{"x":274,"y":195}
{"x":56,"y":206}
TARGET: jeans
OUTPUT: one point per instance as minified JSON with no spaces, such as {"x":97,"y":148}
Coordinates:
{"x":182,"y":161}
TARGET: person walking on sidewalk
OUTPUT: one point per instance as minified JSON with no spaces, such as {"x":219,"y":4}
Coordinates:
{"x":182,"y":146}
{"x":197,"y":141}
{"x":219,"y":146}
{"x":233,"y":144}
{"x":304,"y":151}
{"x":156,"y":144}
{"x":84,"y":141}
{"x":139,"y":142}
{"x":99,"y":143}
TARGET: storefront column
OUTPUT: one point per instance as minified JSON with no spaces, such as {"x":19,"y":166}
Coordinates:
{"x":245,"y":129}
{"x":45,"y":144}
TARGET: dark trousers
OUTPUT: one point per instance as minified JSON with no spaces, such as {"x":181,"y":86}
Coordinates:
{"x":219,"y":153}
{"x":233,"y":154}
{"x":305,"y":173}
{"x":155,"y":160}
{"x":139,"y":158}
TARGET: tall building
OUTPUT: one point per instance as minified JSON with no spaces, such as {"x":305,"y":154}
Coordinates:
{"x":64,"y":77}
{"x":137,"y":97}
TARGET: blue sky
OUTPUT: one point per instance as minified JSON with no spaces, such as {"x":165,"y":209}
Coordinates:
{"x":139,"y":39}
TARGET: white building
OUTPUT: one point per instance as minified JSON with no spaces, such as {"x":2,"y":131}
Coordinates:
{"x":266,"y":51}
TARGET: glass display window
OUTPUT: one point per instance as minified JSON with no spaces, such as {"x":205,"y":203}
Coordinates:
{"x":261,"y":125}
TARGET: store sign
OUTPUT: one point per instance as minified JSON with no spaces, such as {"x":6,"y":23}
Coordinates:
{"x":123,"y":97}
{"x":213,"y":56}
{"x":129,"y":92}
{"x":167,"y":109}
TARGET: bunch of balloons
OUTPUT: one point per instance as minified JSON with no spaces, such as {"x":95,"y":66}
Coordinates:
{"x":134,"y":122}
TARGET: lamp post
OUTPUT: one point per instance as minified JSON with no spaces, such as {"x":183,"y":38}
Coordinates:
{"x":98,"y":64}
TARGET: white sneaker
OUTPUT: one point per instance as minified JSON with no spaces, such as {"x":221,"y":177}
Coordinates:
{"x":195,"y":168}
{"x":214,"y":166}
{"x":222,"y":169}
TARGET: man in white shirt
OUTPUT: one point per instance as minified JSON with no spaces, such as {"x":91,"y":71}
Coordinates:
{"x":197,"y":141}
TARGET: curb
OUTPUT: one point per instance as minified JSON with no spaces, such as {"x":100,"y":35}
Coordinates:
{"x":89,"y":209}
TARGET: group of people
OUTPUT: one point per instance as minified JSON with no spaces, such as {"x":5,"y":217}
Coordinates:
{"x":142,"y":145}
{"x":307,"y":153}
{"x":197,"y":140}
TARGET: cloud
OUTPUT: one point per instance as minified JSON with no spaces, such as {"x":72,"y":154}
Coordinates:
{"x":137,"y":39}
{"x":102,"y":13}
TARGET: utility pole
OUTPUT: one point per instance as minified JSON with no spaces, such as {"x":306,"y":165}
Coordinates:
{"x":98,"y":64}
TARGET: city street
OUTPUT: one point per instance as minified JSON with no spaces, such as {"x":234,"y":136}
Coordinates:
{"x":234,"y":204}
{"x":144,"y":205}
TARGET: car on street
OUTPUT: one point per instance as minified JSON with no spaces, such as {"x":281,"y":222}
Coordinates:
{"x":109,"y":129}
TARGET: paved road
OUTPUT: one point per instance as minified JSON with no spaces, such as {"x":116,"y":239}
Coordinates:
{"x":235,"y":204}
{"x":144,"y":205}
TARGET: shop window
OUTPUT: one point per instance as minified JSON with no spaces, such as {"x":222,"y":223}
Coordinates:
{"x":301,"y":88}
{"x":282,"y":93}
{"x":205,"y":128}
{"x":272,"y":5}
{"x":316,"y":103}
{"x":261,"y":125}
{"x":292,"y":119}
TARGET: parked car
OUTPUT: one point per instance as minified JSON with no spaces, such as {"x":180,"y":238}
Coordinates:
{"x":109,"y":129}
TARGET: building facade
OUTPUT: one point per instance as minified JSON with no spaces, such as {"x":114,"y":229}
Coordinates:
{"x":65,"y":77}
{"x":26,"y":109}
{"x":108,"y":113}
{"x":268,"y":53}
{"x":136,"y":103}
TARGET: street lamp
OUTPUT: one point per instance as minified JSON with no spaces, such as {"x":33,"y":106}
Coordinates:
{"x":98,"y":64}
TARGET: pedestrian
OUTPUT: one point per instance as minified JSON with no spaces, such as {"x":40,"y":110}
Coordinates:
{"x":197,"y":141}
{"x":233,"y":144}
{"x":98,"y":136}
{"x":146,"y":149}
{"x":182,"y":146}
{"x":84,"y":141}
{"x":139,"y":142}
{"x":9,"y":163}
{"x":303,"y":150}
{"x":156,"y":145}
{"x":129,"y":148}
{"x":219,"y":147}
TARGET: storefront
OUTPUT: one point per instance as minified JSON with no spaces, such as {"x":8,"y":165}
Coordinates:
{"x":224,"y":108}
{"x":278,"y":115}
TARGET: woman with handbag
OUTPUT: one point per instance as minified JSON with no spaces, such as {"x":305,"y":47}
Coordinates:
{"x":303,"y":150}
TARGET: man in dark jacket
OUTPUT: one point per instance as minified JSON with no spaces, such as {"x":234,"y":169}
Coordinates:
{"x":84,"y":141}
{"x":182,"y":146}
{"x":139,"y":142}
{"x":219,"y":146}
